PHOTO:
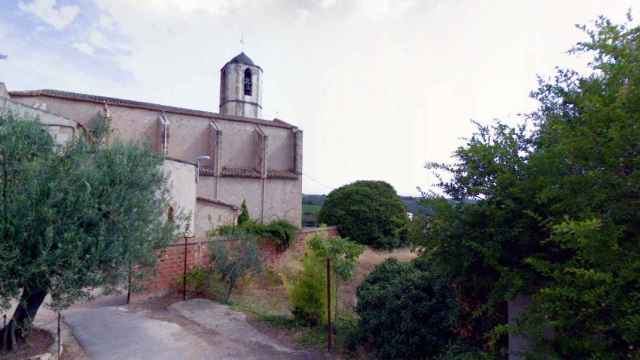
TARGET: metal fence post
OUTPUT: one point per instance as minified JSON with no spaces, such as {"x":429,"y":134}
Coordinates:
{"x":129,"y":286}
{"x":184,"y":272}
{"x":329,"y":304}
{"x":59,"y":337}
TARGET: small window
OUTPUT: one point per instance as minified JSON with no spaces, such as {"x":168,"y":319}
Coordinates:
{"x":248,"y":82}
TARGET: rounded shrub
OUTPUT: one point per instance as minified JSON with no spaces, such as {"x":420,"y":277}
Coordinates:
{"x":405,"y":313}
{"x":368,"y":212}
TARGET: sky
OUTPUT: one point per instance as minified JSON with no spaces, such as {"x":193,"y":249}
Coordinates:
{"x":379,"y":87}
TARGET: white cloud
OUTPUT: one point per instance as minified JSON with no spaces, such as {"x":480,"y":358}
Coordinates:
{"x":382,"y":9}
{"x":106,"y":22}
{"x":327,"y":3}
{"x":84,"y":48}
{"x":97,"y":39}
{"x":58,"y":17}
{"x":302,"y":15}
{"x":4,"y":30}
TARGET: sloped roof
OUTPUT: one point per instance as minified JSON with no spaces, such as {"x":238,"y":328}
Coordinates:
{"x":242,"y":58}
{"x":217,"y":202}
{"x":145,"y":105}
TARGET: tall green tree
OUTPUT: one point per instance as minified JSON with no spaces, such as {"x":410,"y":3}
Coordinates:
{"x":244,"y":214}
{"x":73,"y":218}
{"x":367,"y":212}
{"x":555,"y":210}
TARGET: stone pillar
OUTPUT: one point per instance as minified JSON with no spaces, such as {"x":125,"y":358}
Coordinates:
{"x":162,"y":143}
{"x":3,"y":91}
{"x":261,"y":165}
{"x":519,"y":344}
{"x":297,"y":151}
{"x":215,"y":141}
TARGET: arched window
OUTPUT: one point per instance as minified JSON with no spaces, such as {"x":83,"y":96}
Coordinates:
{"x":248,"y":83}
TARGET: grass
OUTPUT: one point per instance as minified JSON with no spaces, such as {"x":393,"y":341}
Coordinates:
{"x":264,"y":298}
{"x":313,"y":336}
{"x":311,"y":208}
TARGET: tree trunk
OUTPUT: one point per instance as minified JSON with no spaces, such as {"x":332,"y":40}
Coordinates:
{"x":231,"y":284}
{"x":18,"y":328}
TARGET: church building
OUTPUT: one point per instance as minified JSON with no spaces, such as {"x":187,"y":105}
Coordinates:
{"x":215,"y":160}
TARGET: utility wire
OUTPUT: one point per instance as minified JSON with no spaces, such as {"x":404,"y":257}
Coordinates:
{"x":317,"y":182}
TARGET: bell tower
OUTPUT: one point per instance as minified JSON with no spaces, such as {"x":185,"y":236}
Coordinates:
{"x":241,"y":88}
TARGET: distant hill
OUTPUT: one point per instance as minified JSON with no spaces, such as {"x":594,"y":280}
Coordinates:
{"x":311,"y":202}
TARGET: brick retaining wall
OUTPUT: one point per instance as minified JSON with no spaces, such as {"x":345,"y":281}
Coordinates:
{"x":170,"y":267}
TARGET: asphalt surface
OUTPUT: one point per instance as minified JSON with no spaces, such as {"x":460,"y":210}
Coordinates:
{"x":110,"y":333}
{"x":195,"y":329}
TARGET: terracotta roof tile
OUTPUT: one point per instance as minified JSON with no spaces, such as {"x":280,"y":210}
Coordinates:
{"x":240,"y":172}
{"x":281,"y":174}
{"x":249,"y":173}
{"x":206,"y":171}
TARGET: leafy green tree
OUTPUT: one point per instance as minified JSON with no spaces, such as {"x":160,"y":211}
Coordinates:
{"x":234,"y":257}
{"x":308,"y":290}
{"x":367,"y":212}
{"x":73,"y":218}
{"x":555,"y":213}
{"x":343,"y":255}
{"x":244,"y":214}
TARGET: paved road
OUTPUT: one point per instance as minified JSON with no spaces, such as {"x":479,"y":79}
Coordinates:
{"x":110,"y":333}
{"x":195,"y":329}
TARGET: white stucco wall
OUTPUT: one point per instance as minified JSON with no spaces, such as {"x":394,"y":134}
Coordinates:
{"x":210,"y":216}
{"x":182,"y":190}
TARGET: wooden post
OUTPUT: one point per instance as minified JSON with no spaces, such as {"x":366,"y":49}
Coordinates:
{"x":59,"y":337}
{"x":184,"y":272}
{"x":129,"y":287}
{"x":328,"y":304}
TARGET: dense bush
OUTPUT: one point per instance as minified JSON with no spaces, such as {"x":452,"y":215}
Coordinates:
{"x":405,"y":313}
{"x":197,"y":280}
{"x":282,"y":232}
{"x":307,"y":291}
{"x":368,"y":212}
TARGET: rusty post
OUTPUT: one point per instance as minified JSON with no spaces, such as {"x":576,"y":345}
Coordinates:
{"x":129,"y":286}
{"x":184,"y":272}
{"x":59,"y":337}
{"x":328,"y":304}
